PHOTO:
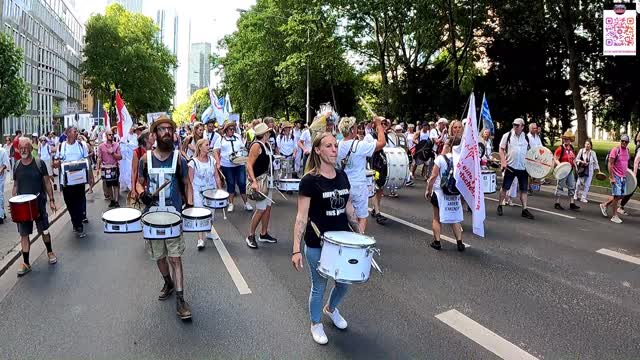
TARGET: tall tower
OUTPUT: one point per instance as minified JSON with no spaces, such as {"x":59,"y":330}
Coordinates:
{"x":199,"y":66}
{"x":167,"y":21}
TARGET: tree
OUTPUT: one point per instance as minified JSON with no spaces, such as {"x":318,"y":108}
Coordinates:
{"x":199,"y":98}
{"x":122,"y":51}
{"x":14,"y":92}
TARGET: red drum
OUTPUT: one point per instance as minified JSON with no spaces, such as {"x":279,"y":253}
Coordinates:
{"x":24,"y":208}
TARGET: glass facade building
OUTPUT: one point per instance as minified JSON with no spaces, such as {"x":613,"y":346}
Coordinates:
{"x":199,"y":66}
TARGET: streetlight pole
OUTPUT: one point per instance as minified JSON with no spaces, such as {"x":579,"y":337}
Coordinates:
{"x":308,"y":121}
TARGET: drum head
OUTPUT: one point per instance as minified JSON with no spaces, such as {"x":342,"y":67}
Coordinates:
{"x":22,"y":198}
{"x":215,"y":194}
{"x":196,"y":212}
{"x":561,"y":171}
{"x":632,"y":182}
{"x":121,"y":215}
{"x":601,"y":176}
{"x":161,"y":219}
{"x":240,"y":160}
{"x":539,"y":162}
{"x":349,"y":239}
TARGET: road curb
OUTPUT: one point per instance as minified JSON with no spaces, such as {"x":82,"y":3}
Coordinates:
{"x":15,"y":253}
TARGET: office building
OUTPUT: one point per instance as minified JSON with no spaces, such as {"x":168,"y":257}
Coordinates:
{"x":134,"y":6}
{"x":51,"y":37}
{"x":167,"y":21}
{"x":199,"y":66}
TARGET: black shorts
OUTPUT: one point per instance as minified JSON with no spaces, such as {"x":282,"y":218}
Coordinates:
{"x":42,"y":224}
{"x":510,"y":174}
{"x":434,"y":200}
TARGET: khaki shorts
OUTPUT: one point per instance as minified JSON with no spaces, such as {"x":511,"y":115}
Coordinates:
{"x":159,"y":249}
{"x":264,"y":203}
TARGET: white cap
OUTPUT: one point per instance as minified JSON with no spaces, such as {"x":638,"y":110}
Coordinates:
{"x":518,"y":121}
{"x":442,"y":120}
{"x":35,"y":135}
{"x":398,"y":127}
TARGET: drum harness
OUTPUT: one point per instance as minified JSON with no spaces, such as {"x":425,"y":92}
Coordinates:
{"x":161,"y":172}
{"x":63,"y":148}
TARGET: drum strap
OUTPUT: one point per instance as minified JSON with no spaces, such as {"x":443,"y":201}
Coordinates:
{"x":161,"y":172}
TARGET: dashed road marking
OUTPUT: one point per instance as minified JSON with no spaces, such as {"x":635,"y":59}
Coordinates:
{"x":620,"y":256}
{"x":483,"y":336}
{"x":236,"y":276}
{"x":420,"y":228}
{"x":540,"y":210}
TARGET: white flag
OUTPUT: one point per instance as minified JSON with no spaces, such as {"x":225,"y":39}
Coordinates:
{"x":467,"y":171}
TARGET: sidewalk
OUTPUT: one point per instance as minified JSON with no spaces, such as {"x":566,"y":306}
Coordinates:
{"x":9,"y":237}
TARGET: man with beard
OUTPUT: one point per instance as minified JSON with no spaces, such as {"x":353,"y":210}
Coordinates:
{"x":176,"y":172}
{"x":30,"y":176}
{"x":74,"y":150}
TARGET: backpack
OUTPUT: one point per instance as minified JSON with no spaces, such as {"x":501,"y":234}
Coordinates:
{"x":38,"y":165}
{"x":448,"y":181}
{"x":615,"y":159}
{"x":345,"y":161}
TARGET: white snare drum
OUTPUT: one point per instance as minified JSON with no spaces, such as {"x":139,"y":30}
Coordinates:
{"x":196,"y":220}
{"x":562,"y":171}
{"x":346,"y":256}
{"x":239,"y":157}
{"x":288,"y":184}
{"x":216,"y":199}
{"x":75,"y":172}
{"x":161,"y":225}
{"x":397,"y":167}
{"x":371,"y":185}
{"x":632,"y":182}
{"x":286,"y":167}
{"x":109,"y":172}
{"x":276,"y":161}
{"x":122,"y":221}
{"x":488,"y":184}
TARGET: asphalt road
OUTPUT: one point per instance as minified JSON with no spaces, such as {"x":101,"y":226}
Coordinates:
{"x":531,"y":288}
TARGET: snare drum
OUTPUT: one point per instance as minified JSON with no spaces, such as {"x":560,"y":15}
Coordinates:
{"x":371,"y":185}
{"x":488,"y":184}
{"x":239,"y":157}
{"x":196,"y":220}
{"x":75,"y":172}
{"x":276,"y":161}
{"x":346,"y":256}
{"x":109,"y":172}
{"x":24,"y":208}
{"x":216,"y":199}
{"x":288,"y":184}
{"x":122,"y":221}
{"x":161,"y":225}
{"x":393,"y":166}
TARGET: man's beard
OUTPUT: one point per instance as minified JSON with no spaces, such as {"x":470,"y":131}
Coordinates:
{"x":165,"y":144}
{"x":24,"y":156}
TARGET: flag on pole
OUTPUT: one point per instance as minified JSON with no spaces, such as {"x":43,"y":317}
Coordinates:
{"x":107,"y":122}
{"x":207,"y":115}
{"x":124,"y":119}
{"x":193,"y":114}
{"x":485,"y":115}
{"x":217,"y":104}
{"x":467,"y":171}
{"x":227,"y":105}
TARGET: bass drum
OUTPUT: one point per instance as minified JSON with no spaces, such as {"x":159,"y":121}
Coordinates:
{"x":393,"y":166}
{"x":424,"y":151}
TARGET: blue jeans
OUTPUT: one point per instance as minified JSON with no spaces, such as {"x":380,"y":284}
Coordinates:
{"x":319,"y":284}
{"x":235,"y":175}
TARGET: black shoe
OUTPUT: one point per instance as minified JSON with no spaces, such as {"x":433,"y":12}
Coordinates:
{"x":1,"y":220}
{"x":182,"y":309}
{"x":557,"y":206}
{"x":251,"y":241}
{"x":380,"y":219}
{"x":460,"y":245}
{"x":436,"y":245}
{"x":166,"y":291}
{"x":573,"y":206}
{"x":267,"y":238}
{"x":55,"y":187}
{"x":499,"y":210}
{"x":85,"y":220}
{"x":527,"y":214}
{"x":112,"y":204}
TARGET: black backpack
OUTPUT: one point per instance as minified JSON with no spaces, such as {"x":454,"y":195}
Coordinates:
{"x":448,"y":181}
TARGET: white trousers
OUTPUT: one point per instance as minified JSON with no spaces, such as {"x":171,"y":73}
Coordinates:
{"x":585,"y":184}
{"x":2,"y":179}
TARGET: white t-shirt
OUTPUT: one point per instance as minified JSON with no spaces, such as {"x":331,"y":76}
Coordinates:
{"x":369,"y":138}
{"x":73,"y":152}
{"x":517,"y":150}
{"x":286,"y":145}
{"x":306,"y":139}
{"x":203,"y":177}
{"x":227,"y":147}
{"x":534,"y":140}
{"x":212,"y":137}
{"x":357,"y":163}
{"x":424,"y":135}
{"x":409,"y":137}
{"x":442,"y":165}
{"x":44,"y":151}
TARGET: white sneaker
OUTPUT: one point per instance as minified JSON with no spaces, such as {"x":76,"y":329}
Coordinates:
{"x":584,"y":200}
{"x":603,"y":210}
{"x":337,"y":319}
{"x":230,"y":208}
{"x":213,"y":234}
{"x":616,"y":219}
{"x":317,"y":331}
{"x":248,"y":207}
{"x":621,"y":211}
{"x":200,"y":243}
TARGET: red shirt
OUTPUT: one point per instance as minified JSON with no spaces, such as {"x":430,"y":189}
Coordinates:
{"x":565,"y":156}
{"x":16,"y":151}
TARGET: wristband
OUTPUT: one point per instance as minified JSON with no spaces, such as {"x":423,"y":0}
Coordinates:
{"x":297,"y":252}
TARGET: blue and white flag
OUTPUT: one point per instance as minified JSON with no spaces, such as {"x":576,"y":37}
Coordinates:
{"x":485,"y":115}
{"x":207,"y":115}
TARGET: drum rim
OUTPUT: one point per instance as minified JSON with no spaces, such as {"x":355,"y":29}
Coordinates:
{"x":343,"y":281}
{"x":289,"y":180}
{"x":120,"y":222}
{"x":214,"y":191}
{"x":35,"y":197}
{"x":355,"y":246}
{"x":169,"y":225}
{"x":191,"y":217}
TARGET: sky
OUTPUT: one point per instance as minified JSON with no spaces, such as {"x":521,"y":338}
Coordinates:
{"x":211,"y":20}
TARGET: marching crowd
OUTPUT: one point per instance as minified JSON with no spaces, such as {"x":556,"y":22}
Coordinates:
{"x":332,"y":162}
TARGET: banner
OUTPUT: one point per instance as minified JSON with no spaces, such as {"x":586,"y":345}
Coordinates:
{"x":619,"y":32}
{"x":151,"y":117}
{"x":124,"y":119}
{"x":467,"y":171}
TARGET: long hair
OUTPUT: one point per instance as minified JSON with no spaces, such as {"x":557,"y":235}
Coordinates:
{"x":313,"y":164}
{"x":198,"y":144}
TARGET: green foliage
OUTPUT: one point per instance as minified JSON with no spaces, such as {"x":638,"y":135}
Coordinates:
{"x":122,"y":51}
{"x":14,"y":92}
{"x":200,"y":98}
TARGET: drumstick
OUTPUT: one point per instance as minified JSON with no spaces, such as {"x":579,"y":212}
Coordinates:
{"x":155,"y":193}
{"x":281,"y":194}
{"x":367,"y":107}
{"x":315,"y":229}
{"x":266,"y":197}
{"x":375,"y":265}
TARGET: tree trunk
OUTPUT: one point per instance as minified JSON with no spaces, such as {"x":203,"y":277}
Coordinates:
{"x":381,"y":45}
{"x":578,"y":103}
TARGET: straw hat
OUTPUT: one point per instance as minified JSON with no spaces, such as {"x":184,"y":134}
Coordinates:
{"x":163,"y":119}
{"x":286,"y":124}
{"x":228,"y":124}
{"x":345,"y":124}
{"x":569,"y":135}
{"x":261,"y":129}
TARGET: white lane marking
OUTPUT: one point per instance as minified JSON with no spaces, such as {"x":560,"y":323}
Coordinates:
{"x":237,"y":278}
{"x":420,"y":228}
{"x":483,"y":336}
{"x":541,"y":210}
{"x":620,"y":256}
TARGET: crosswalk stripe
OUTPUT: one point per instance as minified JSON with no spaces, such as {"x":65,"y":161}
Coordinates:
{"x":483,"y":336}
{"x":620,"y":256}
